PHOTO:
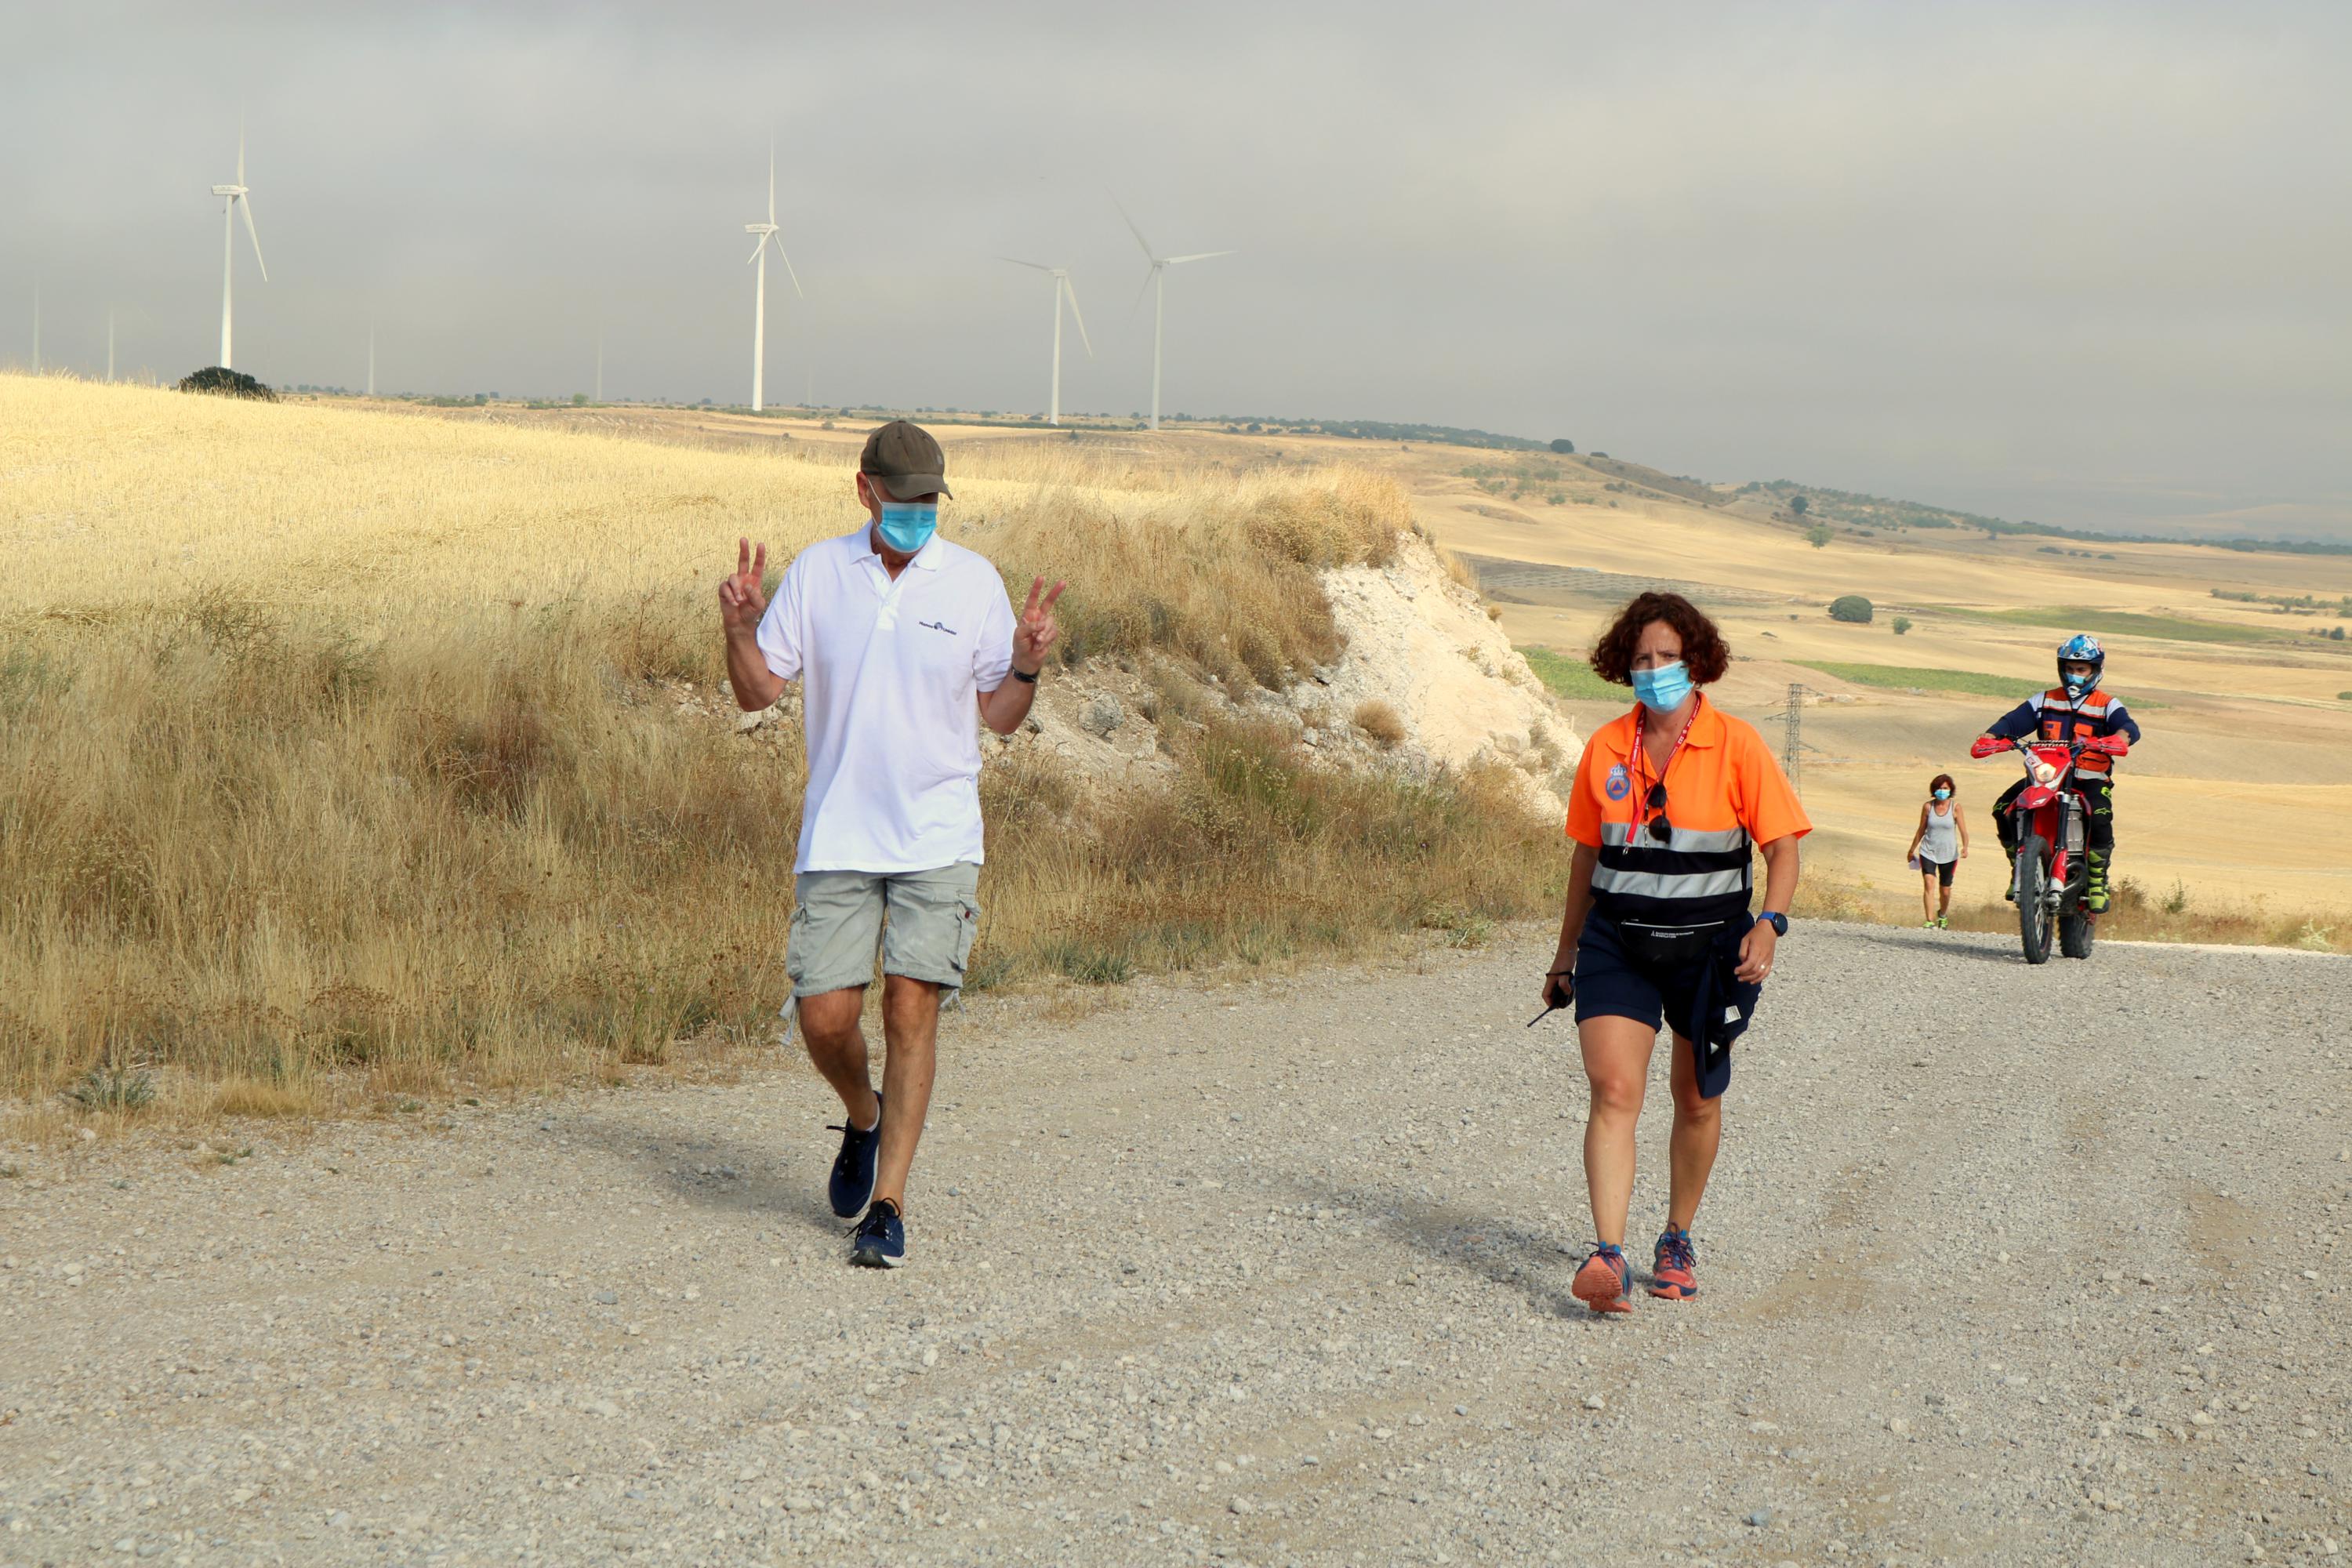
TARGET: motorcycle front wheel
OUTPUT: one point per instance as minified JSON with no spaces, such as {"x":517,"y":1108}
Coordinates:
{"x":2033,"y":920}
{"x":2076,"y":931}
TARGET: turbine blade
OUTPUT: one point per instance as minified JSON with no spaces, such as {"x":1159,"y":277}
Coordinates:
{"x":788,"y":267}
{"x":772,"y":181}
{"x":1149,"y":274}
{"x":1135,"y":231}
{"x":1018,"y":262}
{"x":1072,"y":290}
{"x":245,"y":206}
{"x":240,"y":148}
{"x":1202,"y":256}
{"x":755,"y":251}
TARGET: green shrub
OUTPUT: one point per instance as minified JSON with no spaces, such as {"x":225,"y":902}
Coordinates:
{"x":1850,"y":607}
{"x":1901,"y":623}
{"x":1818,"y":536}
{"x":224,"y":383}
{"x":121,"y":1090}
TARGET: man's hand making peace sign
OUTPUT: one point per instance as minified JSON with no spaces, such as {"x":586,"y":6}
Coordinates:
{"x":1037,"y":630}
{"x":742,"y":602}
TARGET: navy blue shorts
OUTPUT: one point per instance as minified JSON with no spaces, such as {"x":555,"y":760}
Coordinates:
{"x":1608,"y":985}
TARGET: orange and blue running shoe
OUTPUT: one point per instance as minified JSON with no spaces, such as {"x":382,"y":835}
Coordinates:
{"x":1673,"y":1271}
{"x":1601,"y":1283}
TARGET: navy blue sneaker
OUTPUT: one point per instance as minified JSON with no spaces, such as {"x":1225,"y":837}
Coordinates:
{"x":851,"y":1187}
{"x":881,"y":1238}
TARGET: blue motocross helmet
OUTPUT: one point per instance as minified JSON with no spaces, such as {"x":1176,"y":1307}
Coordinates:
{"x":2080,"y":649}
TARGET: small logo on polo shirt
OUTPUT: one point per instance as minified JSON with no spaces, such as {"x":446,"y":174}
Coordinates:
{"x":936,"y":626}
{"x":1621,"y":783}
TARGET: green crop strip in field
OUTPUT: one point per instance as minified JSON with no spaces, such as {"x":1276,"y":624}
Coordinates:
{"x":1906,"y":677}
{"x":1572,"y":678}
{"x":2119,"y":623}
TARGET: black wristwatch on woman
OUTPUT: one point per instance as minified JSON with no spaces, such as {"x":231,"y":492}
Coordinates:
{"x":1777,"y":920}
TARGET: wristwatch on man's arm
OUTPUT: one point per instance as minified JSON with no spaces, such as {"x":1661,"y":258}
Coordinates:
{"x":1777,"y":920}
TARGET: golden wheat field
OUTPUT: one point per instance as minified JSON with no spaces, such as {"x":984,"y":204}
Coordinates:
{"x":357,"y":755}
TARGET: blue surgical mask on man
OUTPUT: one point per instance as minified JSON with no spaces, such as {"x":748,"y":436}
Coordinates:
{"x":906,"y":526}
{"x":1943,"y":794}
{"x":1663,"y":689}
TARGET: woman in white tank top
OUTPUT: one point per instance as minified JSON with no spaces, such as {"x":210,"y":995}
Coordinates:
{"x":1937,"y":846}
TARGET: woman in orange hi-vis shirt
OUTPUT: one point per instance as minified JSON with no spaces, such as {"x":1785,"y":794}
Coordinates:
{"x":1668,"y":802}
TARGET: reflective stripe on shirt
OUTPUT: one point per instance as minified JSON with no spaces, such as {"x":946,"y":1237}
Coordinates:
{"x":1670,"y":885}
{"x":1613,"y":836}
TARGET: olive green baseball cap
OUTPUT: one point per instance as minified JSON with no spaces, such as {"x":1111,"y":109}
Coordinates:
{"x":906,"y":460}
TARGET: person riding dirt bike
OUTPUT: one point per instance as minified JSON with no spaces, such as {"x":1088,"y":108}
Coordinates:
{"x":2076,"y":709}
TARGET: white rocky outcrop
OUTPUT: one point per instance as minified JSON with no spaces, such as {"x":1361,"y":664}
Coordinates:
{"x":1423,"y":643}
{"x":1418,"y":642}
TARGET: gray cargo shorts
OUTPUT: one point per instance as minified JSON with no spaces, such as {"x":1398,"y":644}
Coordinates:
{"x":839,"y":919}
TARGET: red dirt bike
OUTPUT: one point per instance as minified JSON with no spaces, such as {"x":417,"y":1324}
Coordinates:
{"x":2051,"y":869}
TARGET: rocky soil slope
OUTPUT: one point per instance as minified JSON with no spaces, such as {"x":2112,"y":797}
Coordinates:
{"x":2001,"y":1265}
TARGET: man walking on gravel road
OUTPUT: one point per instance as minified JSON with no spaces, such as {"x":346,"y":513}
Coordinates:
{"x":900,"y":641}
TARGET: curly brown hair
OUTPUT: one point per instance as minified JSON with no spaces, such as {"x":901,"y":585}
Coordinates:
{"x":1946,"y":780}
{"x":1704,"y":653}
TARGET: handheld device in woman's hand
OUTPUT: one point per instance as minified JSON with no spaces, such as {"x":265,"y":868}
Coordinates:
{"x":1559,"y":989}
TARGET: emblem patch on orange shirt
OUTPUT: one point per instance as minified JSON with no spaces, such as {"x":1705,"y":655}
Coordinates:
{"x":1620,"y":784}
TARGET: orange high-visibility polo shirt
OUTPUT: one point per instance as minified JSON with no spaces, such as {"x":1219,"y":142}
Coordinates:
{"x":1724,"y":793}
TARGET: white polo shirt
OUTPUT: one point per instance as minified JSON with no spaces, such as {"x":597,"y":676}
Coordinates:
{"x":890,"y":674}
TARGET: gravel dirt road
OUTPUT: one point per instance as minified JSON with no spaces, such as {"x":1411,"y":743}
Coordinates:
{"x":2001,"y":1265}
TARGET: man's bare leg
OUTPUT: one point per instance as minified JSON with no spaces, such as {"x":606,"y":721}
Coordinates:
{"x":836,"y":1048}
{"x":911,"y":1037}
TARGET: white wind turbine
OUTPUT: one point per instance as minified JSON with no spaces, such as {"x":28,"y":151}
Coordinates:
{"x":1062,"y":287}
{"x":236,"y":195}
{"x":767,"y":233}
{"x":1156,"y":282}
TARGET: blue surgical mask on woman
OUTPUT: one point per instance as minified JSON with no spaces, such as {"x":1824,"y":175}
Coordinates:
{"x":1943,"y":794}
{"x":906,"y":526}
{"x":1663,"y":689}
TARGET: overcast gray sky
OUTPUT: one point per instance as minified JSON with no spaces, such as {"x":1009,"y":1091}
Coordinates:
{"x":2086,"y":263}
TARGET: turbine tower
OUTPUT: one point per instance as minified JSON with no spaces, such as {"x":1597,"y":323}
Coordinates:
{"x":1062,"y":287}
{"x":1156,"y":282}
{"x":767,"y":233}
{"x":236,"y":197}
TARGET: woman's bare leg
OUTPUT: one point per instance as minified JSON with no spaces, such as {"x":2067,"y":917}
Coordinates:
{"x":1617,"y":1067}
{"x":1698,"y":1131}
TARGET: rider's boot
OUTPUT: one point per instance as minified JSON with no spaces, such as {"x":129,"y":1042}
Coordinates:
{"x":2004,"y":828}
{"x":2094,"y":887}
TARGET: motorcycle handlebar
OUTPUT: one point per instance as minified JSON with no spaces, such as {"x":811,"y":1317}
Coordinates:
{"x":1993,"y":745}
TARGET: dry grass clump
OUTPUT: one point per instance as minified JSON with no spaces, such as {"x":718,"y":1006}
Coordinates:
{"x":2134,"y":914}
{"x":248,"y":849}
{"x":1222,"y":576}
{"x":1380,"y":720}
{"x":338,"y":757}
{"x":1254,"y":852}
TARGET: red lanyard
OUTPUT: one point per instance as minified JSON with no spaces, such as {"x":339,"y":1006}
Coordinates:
{"x":1642,"y":759}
